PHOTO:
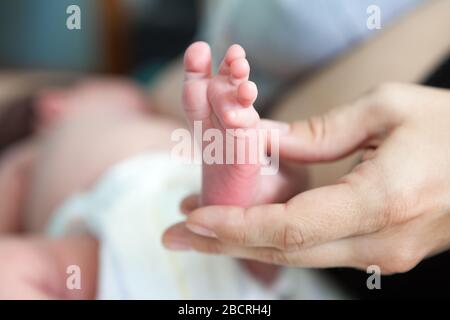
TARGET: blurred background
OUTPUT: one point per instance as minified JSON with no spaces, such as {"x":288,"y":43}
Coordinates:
{"x":130,"y":38}
{"x":117,"y":36}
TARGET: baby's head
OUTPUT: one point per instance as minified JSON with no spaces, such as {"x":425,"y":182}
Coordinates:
{"x":52,"y":105}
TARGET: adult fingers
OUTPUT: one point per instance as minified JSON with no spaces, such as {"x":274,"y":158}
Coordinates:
{"x":314,"y":217}
{"x":338,"y":132}
{"x":189,"y":204}
{"x":332,"y":254}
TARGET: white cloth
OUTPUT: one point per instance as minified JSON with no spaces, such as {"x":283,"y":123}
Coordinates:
{"x":129,"y":209}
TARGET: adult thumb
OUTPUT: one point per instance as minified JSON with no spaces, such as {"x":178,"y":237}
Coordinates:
{"x":335,"y":134}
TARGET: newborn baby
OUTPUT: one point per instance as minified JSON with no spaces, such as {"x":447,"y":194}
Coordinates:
{"x":96,"y":187}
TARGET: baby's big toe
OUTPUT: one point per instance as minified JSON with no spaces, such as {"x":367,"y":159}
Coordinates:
{"x":197,"y":61}
{"x":197,"y":67}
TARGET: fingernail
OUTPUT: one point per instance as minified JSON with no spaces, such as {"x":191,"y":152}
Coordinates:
{"x":201,"y":231}
{"x":178,"y":246}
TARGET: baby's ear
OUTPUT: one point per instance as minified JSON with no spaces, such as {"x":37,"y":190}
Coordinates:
{"x":49,"y":106}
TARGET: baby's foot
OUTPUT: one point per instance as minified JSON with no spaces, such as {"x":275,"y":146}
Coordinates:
{"x":223,"y":101}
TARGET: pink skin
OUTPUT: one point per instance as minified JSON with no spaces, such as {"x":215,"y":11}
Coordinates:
{"x":105,"y":121}
{"x":53,"y":105}
{"x":225,"y":101}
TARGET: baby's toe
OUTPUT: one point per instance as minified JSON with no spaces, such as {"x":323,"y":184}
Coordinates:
{"x":244,"y":117}
{"x":239,"y":71}
{"x":197,"y":61}
{"x":241,"y":118}
{"x":247,"y":93}
{"x":197,"y":67}
{"x":235,"y":52}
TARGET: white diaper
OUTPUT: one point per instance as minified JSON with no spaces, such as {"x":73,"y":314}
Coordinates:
{"x":129,"y":209}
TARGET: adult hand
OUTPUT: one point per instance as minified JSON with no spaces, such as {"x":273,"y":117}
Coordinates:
{"x":391,"y":210}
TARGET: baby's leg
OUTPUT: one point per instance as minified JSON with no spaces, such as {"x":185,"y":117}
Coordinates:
{"x":75,"y":154}
{"x":37,"y":268}
{"x":112,"y":95}
{"x":15,"y":166}
{"x":222,"y":102}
